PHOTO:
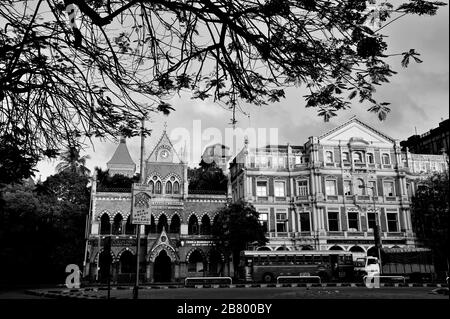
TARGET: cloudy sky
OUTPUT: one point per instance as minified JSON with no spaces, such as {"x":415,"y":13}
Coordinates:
{"x":418,"y":95}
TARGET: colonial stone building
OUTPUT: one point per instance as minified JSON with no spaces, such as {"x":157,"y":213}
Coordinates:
{"x":178,"y":242}
{"x":330,"y":192}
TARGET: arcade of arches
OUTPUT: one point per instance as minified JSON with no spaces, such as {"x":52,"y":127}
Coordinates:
{"x":163,"y":268}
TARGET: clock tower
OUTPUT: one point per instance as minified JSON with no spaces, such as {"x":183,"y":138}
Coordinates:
{"x":166,"y":166}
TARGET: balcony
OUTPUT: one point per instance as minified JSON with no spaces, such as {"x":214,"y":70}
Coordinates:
{"x":332,"y":197}
{"x":363,"y":197}
{"x":391,"y":198}
{"x":387,"y":166}
{"x":301,"y":198}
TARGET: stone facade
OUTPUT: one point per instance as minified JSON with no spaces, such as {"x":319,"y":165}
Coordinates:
{"x":176,"y":245}
{"x":309,"y":196}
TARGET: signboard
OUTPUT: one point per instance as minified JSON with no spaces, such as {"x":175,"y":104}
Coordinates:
{"x":141,"y":213}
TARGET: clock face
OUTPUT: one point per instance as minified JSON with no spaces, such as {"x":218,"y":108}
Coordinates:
{"x":164,"y":154}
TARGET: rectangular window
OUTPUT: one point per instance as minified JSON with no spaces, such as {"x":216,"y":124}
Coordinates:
{"x":281,"y":162}
{"x":388,"y":189}
{"x":333,"y":221}
{"x":281,"y":222}
{"x":302,"y":188}
{"x":371,"y":222}
{"x":329,"y":156}
{"x":353,"y":222}
{"x":263,"y":161}
{"x":261,"y":188}
{"x":347,"y":187}
{"x":305,"y":224}
{"x":263,"y":220}
{"x":392,"y":222}
{"x":330,"y":187}
{"x":280,"y":189}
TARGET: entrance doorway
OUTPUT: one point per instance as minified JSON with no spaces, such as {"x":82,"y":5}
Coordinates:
{"x":162,"y":271}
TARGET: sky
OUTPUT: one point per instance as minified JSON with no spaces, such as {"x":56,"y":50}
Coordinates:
{"x":419,"y":97}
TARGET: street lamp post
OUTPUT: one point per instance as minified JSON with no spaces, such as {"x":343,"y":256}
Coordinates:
{"x":376,"y":231}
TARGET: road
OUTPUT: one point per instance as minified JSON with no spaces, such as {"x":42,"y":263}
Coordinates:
{"x":261,"y":293}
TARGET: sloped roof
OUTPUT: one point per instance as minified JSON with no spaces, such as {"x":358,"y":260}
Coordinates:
{"x":356,"y":120}
{"x":164,"y":140}
{"x":121,"y":155}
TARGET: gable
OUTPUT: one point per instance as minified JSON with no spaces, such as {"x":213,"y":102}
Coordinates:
{"x":355,"y":132}
{"x":164,"y":151}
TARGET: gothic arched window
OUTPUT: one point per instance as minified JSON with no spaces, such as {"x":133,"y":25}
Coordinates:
{"x":168,"y":187}
{"x":176,"y":188}
{"x":158,"y":187}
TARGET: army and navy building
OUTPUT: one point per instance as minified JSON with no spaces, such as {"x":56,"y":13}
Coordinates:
{"x":325,"y":194}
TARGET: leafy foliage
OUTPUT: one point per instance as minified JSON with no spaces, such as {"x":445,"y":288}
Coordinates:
{"x":430,"y":216}
{"x":237,"y":226}
{"x":208,"y":176}
{"x":72,"y":160}
{"x":68,"y":74}
{"x":42,"y":228}
{"x":115,"y":181}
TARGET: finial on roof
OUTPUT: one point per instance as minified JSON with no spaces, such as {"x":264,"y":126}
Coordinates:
{"x":165,"y":126}
{"x":122,"y":140}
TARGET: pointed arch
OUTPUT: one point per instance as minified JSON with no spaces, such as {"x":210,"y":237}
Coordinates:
{"x":151,"y":185}
{"x":193,"y":225}
{"x":127,"y":262}
{"x":168,"y":187}
{"x":176,"y":187}
{"x":205,"y":226}
{"x":169,"y":250}
{"x":117,"y":224}
{"x":175,"y":224}
{"x":158,"y":187}
{"x":105,"y":224}
{"x":162,"y":222}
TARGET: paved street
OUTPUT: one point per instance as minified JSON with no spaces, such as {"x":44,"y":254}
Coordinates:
{"x":266,"y":293}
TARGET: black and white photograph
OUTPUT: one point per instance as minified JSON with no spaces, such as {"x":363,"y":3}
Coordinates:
{"x":222,"y":159}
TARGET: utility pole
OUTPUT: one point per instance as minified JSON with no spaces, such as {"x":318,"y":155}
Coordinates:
{"x":138,"y":226}
{"x":376,"y":231}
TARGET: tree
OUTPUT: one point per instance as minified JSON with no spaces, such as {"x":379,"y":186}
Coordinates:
{"x":72,"y":160}
{"x":81,"y":67}
{"x":430,"y":217}
{"x":237,"y":226}
{"x":42,"y":228}
{"x":104,"y":180}
{"x":207,"y":177}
